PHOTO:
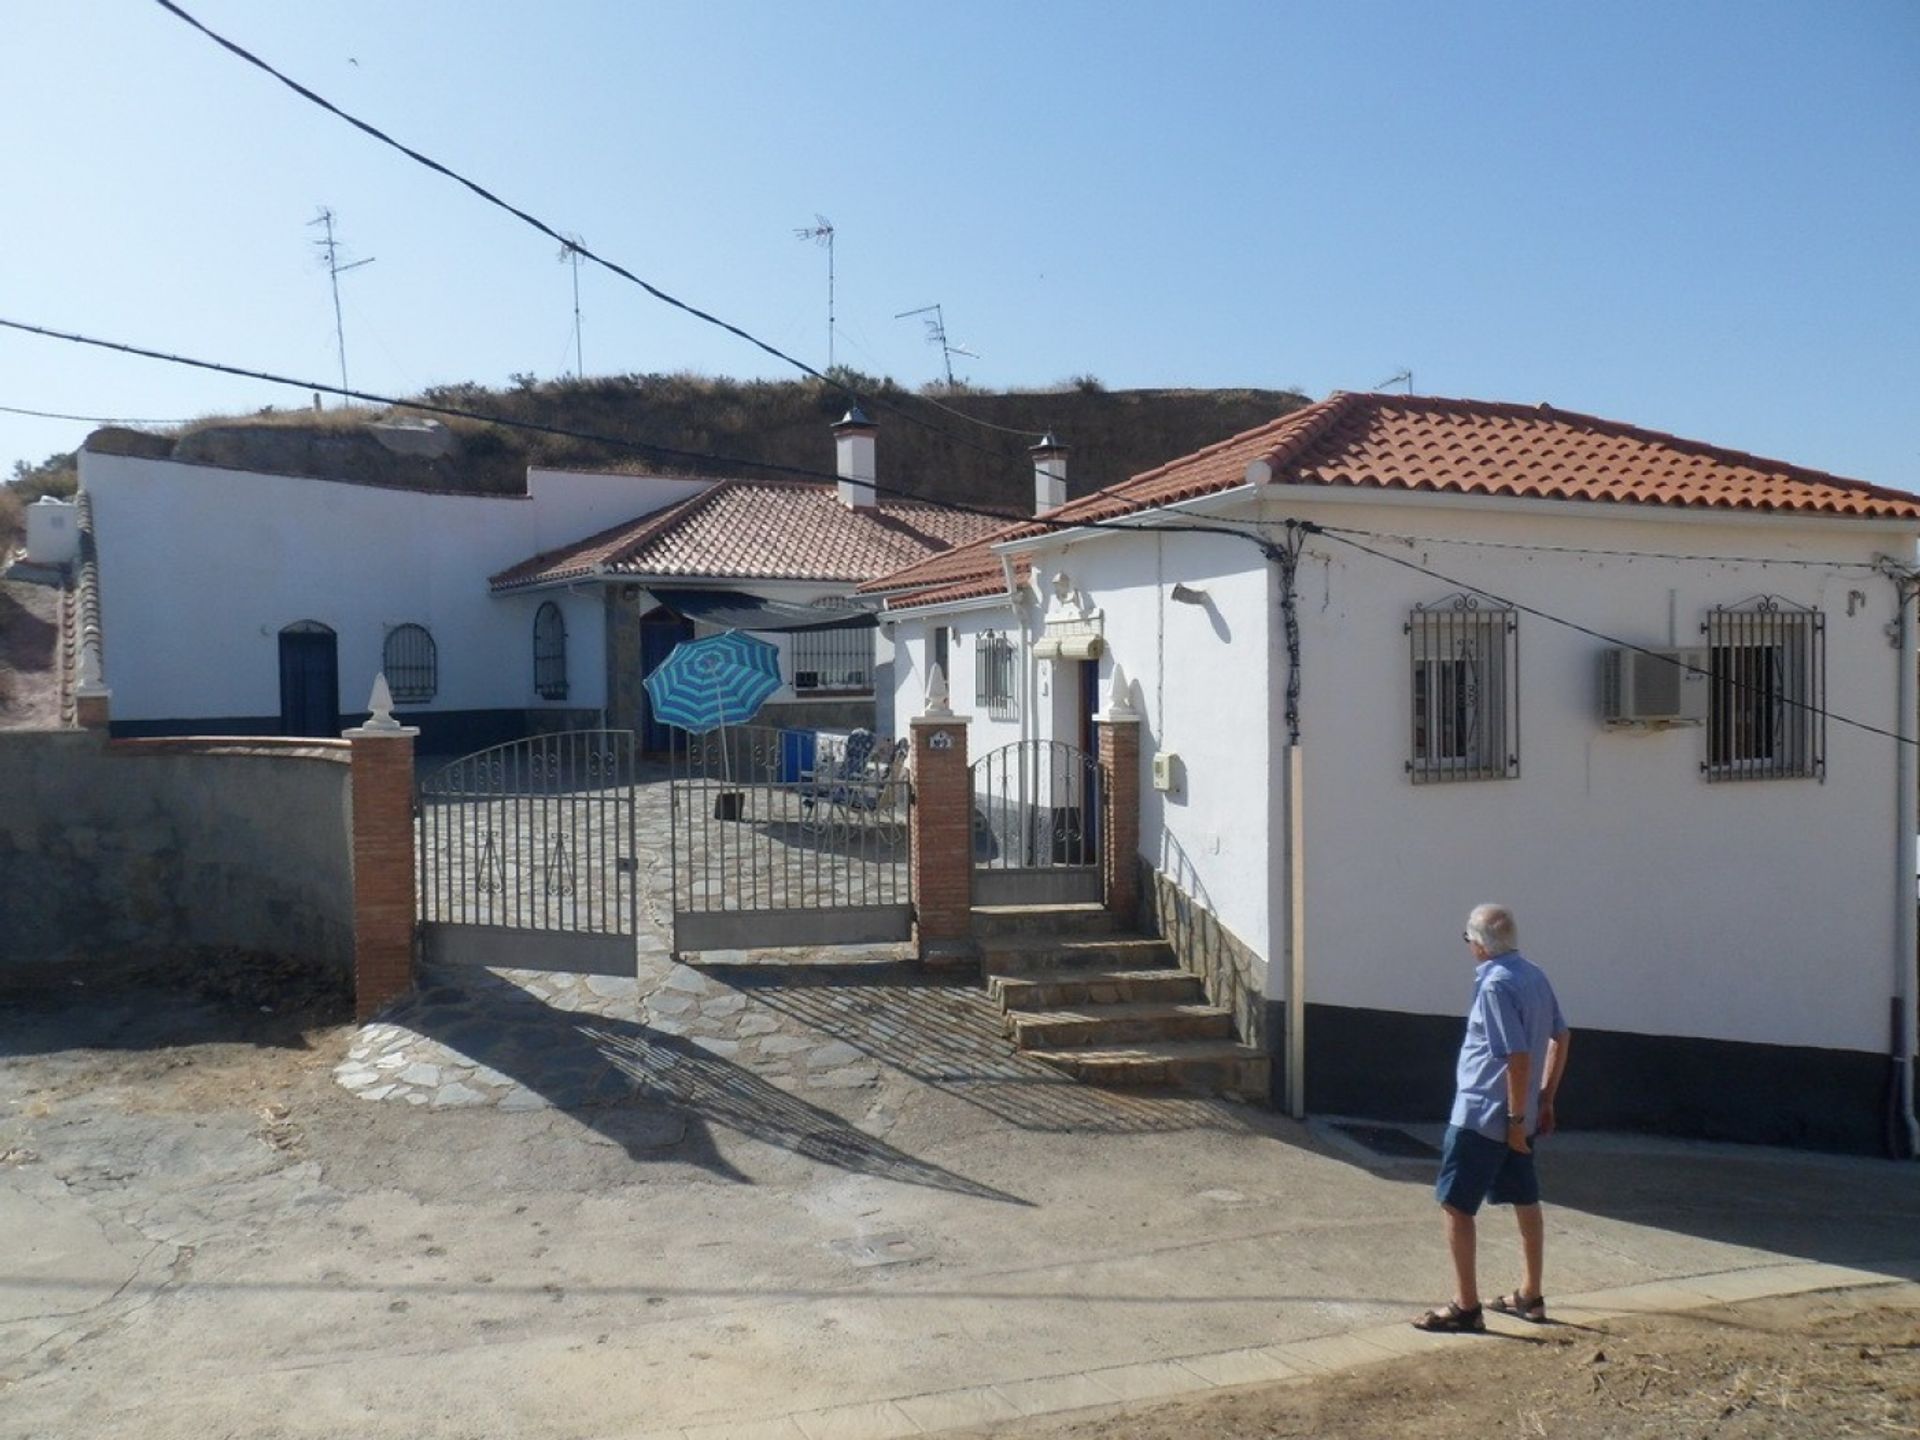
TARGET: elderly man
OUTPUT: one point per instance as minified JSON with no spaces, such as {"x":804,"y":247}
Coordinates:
{"x":1511,"y":1063}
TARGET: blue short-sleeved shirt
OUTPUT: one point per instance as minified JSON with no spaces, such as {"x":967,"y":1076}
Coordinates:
{"x":1514,"y":1010}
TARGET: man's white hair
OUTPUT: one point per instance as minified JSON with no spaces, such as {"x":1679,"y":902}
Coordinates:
{"x":1492,"y":929}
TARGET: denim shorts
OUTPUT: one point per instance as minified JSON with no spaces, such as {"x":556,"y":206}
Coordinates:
{"x":1475,"y":1169}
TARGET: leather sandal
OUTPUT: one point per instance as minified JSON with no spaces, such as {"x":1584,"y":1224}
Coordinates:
{"x":1452,"y":1319}
{"x":1532,"y":1309}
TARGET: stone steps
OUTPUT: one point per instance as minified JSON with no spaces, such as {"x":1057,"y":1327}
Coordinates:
{"x":1107,"y":1007}
{"x":1098,"y":1026}
{"x":1003,"y":922}
{"x":1216,"y":1067}
{"x":1059,"y":989}
{"x":1049,"y":954}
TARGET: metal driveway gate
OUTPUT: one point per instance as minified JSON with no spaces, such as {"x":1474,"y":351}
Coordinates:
{"x":527,"y":855}
{"x":1039,"y":812}
{"x":782,"y":840}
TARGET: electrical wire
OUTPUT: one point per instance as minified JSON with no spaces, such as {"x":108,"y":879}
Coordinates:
{"x":84,"y":419}
{"x":553,"y":233}
{"x":1547,"y":615}
{"x":1285,"y":556}
{"x":1412,"y":540}
{"x":987,"y":424}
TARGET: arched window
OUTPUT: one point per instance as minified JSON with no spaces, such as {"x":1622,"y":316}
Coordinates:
{"x":550,"y":652}
{"x":411,"y":662}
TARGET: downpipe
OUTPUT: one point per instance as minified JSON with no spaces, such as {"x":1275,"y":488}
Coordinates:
{"x":1906,"y":585}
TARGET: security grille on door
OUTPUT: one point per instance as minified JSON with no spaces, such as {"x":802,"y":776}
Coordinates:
{"x":1766,"y":697}
{"x":1465,"y":692}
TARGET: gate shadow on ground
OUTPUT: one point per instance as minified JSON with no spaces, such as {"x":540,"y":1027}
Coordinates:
{"x":946,"y":1035}
{"x":614,"y":1076}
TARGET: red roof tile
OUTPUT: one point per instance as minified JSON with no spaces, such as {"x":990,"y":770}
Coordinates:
{"x":759,"y":530}
{"x":1419,"y":443}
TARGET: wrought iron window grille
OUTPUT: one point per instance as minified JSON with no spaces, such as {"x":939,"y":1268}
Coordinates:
{"x":993,"y":675}
{"x":1464,"y":664}
{"x":411,"y":662}
{"x":549,"y":652}
{"x":1767,"y":691}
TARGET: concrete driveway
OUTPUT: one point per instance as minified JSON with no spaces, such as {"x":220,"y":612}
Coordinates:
{"x":652,"y":1222}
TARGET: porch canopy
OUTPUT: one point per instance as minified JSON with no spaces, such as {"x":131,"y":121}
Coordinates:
{"x":737,"y":610}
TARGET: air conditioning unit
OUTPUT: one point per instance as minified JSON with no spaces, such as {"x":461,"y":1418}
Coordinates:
{"x":1653,"y":687}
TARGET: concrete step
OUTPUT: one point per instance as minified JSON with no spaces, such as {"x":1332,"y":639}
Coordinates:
{"x":1216,"y":1067}
{"x":992,"y":922}
{"x":1054,"y":989}
{"x":1041,"y":954}
{"x":1116,"y":1026}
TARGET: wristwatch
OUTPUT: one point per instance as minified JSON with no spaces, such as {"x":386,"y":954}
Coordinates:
{"x":1513,"y":1120}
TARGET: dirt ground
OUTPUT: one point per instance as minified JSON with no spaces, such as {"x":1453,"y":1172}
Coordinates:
{"x":223,"y":1241}
{"x":29,"y":635}
{"x":1820,"y":1365}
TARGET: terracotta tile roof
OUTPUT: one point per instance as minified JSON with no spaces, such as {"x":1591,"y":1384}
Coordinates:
{"x":1420,"y":443}
{"x":759,"y":530}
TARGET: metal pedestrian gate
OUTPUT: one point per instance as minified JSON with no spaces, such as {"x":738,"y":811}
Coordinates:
{"x":527,"y":855}
{"x":780,"y":840}
{"x":1039,"y":815}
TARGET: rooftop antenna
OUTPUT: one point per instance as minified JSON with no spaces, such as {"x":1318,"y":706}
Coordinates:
{"x":1399,"y":377}
{"x":821,"y":233}
{"x":329,"y":246}
{"x":570,"y":255}
{"x":937,"y":335}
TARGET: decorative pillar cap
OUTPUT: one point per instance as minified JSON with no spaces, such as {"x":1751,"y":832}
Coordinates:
{"x":381,"y":721}
{"x":939,"y":705}
{"x":1120,"y":696}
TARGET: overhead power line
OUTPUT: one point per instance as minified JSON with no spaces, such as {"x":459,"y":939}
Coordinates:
{"x":1286,"y":555}
{"x":1552,"y":619}
{"x":84,"y":419}
{"x":550,"y":231}
{"x":621,"y":442}
{"x":1596,"y":550}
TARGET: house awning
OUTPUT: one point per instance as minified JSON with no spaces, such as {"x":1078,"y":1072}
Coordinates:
{"x":736,"y":610}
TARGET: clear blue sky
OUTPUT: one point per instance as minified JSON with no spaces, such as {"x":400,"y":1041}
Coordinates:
{"x":1702,"y":217}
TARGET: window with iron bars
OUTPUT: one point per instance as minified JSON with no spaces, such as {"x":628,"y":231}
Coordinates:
{"x":411,"y":662}
{"x":833,"y":662}
{"x":1465,"y":665}
{"x":550,"y":653}
{"x":993,"y":675}
{"x":1766,"y":692}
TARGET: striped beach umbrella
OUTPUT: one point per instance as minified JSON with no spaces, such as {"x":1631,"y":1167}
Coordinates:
{"x":714,"y":681}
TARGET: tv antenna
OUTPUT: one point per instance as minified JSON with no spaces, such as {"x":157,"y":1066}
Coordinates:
{"x":1399,"y":377}
{"x":937,"y":335}
{"x":821,"y":233}
{"x":570,"y":255}
{"x":329,"y":246}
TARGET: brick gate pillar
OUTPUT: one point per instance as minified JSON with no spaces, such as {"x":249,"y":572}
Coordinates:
{"x":1119,"y":731}
{"x":383,"y":860}
{"x":942,"y":829}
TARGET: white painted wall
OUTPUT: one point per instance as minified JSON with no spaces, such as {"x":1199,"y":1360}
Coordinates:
{"x":201,"y":568}
{"x":1662,"y":904}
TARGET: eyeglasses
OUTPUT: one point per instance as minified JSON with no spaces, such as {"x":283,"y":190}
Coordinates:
{"x":1467,"y":935}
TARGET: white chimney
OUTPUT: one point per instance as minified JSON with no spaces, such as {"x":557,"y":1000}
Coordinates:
{"x":853,"y":459}
{"x":1049,"y":474}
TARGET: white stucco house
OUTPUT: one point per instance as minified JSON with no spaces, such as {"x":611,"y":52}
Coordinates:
{"x":1642,"y":689}
{"x":235,"y":602}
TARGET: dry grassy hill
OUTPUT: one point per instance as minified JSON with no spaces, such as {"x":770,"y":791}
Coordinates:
{"x":923,"y":448}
